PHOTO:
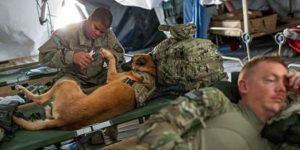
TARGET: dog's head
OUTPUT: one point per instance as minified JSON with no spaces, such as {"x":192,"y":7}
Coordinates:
{"x":141,"y":62}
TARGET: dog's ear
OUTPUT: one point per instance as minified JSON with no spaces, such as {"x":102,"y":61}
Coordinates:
{"x":141,"y":61}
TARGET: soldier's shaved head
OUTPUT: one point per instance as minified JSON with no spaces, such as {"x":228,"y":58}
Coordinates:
{"x":248,"y":69}
{"x":103,"y":15}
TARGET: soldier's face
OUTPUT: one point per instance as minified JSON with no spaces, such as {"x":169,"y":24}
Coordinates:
{"x":95,"y":29}
{"x":265,"y":89}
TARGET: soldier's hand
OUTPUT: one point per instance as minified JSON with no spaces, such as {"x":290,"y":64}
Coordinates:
{"x":293,"y":82}
{"x":83,"y":59}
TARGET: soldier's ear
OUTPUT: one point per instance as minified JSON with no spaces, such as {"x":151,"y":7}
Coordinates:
{"x":242,"y":85}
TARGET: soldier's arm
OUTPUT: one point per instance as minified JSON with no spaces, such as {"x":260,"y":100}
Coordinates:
{"x":54,"y":54}
{"x":172,"y":125}
{"x":219,"y":138}
{"x":118,"y":50}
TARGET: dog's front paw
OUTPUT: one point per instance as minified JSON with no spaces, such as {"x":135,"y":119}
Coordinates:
{"x":23,"y":92}
{"x":106,"y":54}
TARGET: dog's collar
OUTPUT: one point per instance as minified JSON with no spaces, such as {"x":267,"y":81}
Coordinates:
{"x":138,"y":71}
{"x":129,"y":81}
{"x":143,"y":72}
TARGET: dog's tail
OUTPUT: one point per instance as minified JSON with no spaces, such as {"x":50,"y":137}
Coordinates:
{"x":37,"y":124}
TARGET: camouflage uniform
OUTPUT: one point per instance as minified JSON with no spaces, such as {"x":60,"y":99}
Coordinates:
{"x":2,"y":133}
{"x":58,"y":53}
{"x":144,"y":90}
{"x":185,"y":63}
{"x":203,"y":119}
{"x":283,"y":129}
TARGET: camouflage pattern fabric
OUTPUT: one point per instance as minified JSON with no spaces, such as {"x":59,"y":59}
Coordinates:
{"x":174,"y":126}
{"x":6,"y":112}
{"x":284,"y":128}
{"x":7,"y":127}
{"x":58,"y":52}
{"x":185,"y":61}
{"x":180,"y":31}
{"x":143,"y":91}
{"x":2,"y":134}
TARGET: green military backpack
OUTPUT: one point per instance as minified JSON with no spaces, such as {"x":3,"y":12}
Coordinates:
{"x":185,"y":63}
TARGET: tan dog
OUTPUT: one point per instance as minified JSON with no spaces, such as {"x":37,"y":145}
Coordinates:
{"x":72,"y":109}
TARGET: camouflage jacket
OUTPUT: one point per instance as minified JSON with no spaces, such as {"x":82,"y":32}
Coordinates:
{"x":58,"y":52}
{"x":202,"y":120}
{"x":283,"y":129}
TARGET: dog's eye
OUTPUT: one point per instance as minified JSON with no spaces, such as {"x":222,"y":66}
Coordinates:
{"x":141,"y":62}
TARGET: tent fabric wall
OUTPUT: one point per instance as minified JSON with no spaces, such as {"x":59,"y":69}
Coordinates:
{"x":282,"y":7}
{"x":146,"y":4}
{"x":20,"y":31}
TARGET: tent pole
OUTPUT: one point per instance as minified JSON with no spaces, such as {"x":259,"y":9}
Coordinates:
{"x":246,"y":24}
